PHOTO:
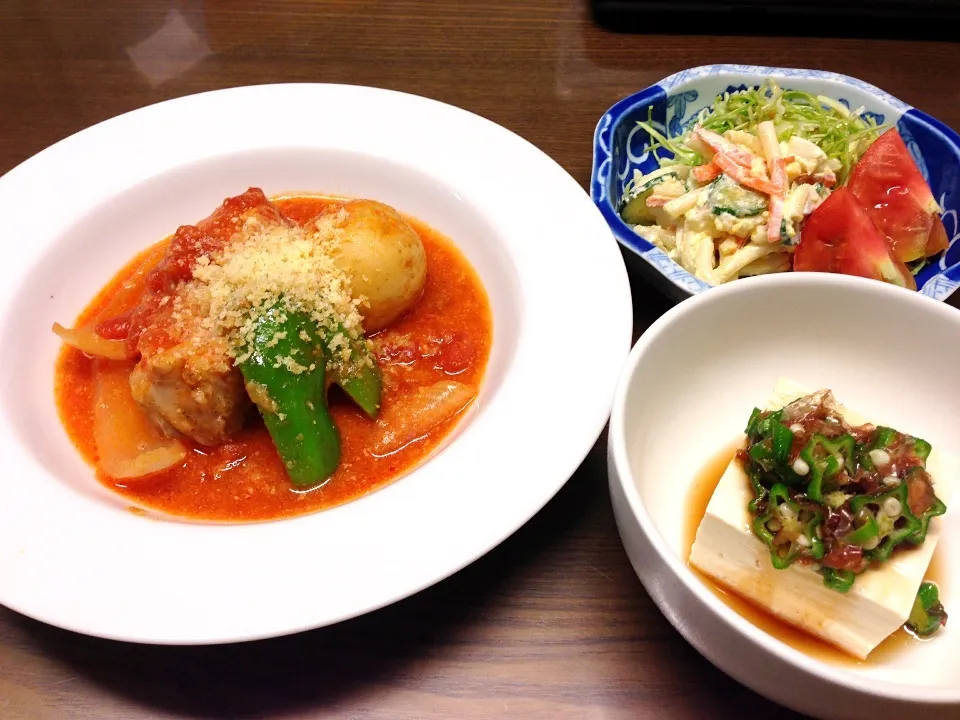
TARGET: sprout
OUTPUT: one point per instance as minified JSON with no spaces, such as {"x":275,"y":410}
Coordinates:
{"x":841,"y":134}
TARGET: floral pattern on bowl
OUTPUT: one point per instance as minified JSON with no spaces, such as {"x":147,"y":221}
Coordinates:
{"x":620,"y":147}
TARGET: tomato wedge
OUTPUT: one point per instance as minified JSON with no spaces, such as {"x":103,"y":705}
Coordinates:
{"x":839,"y":237}
{"x":889,"y":185}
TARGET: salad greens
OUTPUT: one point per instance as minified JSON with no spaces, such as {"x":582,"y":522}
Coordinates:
{"x":841,"y":133}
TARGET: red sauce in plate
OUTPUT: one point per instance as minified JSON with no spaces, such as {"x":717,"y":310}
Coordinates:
{"x":448,"y":333}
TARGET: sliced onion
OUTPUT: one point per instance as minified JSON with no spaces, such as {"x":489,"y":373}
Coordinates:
{"x":86,"y":340}
{"x":414,"y":416}
{"x":128,"y":444}
{"x":123,"y":298}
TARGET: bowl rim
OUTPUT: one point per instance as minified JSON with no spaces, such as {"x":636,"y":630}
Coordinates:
{"x":640,"y":247}
{"x":617,"y":441}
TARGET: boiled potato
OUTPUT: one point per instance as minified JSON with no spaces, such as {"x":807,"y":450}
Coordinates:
{"x":384,"y":259}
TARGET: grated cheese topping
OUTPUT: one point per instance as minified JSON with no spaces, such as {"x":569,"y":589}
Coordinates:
{"x":271,"y":264}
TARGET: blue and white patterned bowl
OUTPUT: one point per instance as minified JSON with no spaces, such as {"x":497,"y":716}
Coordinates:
{"x":620,"y":146}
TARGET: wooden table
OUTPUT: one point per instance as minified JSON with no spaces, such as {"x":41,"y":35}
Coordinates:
{"x":552,"y":624}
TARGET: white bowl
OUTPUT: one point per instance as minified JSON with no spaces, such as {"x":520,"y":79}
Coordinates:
{"x":686,"y":393}
{"x":70,"y":552}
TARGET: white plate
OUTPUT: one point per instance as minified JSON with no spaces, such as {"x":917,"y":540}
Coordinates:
{"x":685,"y":395}
{"x":73,"y":556}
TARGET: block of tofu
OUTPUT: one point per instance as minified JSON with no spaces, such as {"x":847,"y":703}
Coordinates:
{"x":726,"y":549}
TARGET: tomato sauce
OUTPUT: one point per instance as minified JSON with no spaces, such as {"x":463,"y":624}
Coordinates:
{"x":700,"y":493}
{"x":446,"y":335}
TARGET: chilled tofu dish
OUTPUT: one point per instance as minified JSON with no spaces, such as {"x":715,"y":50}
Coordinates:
{"x":770,"y":180}
{"x":829,"y":522}
{"x":278,"y":357}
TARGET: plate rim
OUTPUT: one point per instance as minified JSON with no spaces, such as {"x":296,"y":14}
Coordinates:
{"x":610,"y":278}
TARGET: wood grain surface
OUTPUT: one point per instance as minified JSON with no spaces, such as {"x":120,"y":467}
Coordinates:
{"x":553,"y":623}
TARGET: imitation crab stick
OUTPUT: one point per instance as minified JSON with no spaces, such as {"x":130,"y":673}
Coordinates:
{"x":778,"y":177}
{"x":706,"y":172}
{"x":743,"y":176}
{"x":722,"y":146}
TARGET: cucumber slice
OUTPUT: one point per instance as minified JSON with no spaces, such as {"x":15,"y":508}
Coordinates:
{"x":727,"y":196}
{"x":785,"y":238}
{"x":676,"y":172}
{"x":634,"y":210}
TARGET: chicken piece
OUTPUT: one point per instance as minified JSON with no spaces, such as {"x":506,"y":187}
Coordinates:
{"x":185,"y":381}
{"x":191,"y":388}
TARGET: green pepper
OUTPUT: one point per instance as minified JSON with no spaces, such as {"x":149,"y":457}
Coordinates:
{"x":778,"y":494}
{"x":782,"y":442}
{"x":891,"y":536}
{"x":921,"y":449}
{"x":760,"y":529}
{"x":782,"y":557}
{"x":760,"y":425}
{"x":883,"y":437}
{"x":759,"y":493}
{"x":770,"y":442}
{"x":839,"y":580}
{"x":293,"y":404}
{"x":761,"y":450}
{"x":821,"y":455}
{"x":763,"y":456}
{"x":358,"y":373}
{"x":927,"y":615}
{"x":846,"y":447}
{"x":817,"y":548}
{"x":865,"y":532}
{"x":767,"y":423}
{"x":938,"y":508}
